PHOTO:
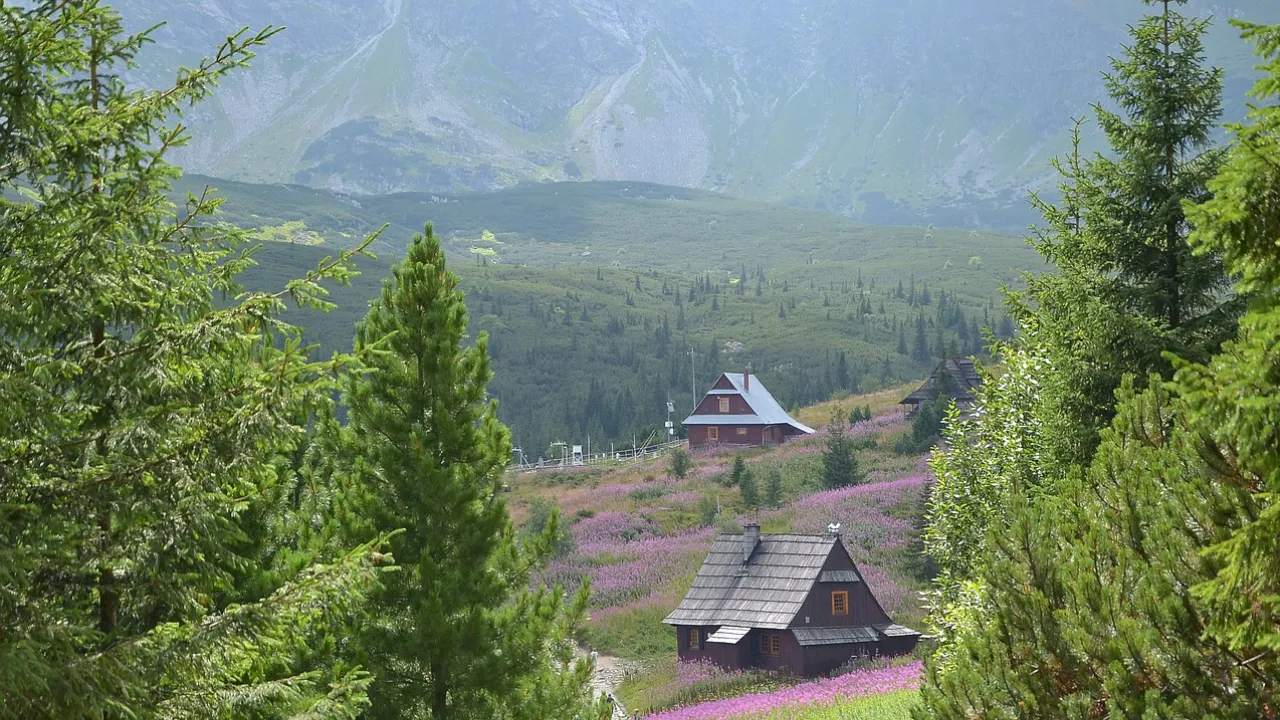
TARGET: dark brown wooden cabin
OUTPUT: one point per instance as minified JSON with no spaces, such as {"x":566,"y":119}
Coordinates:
{"x":956,"y":379}
{"x":792,"y":603}
{"x":738,"y":410}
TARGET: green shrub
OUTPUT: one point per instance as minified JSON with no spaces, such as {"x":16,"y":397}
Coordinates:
{"x":708,"y":508}
{"x":680,"y":462}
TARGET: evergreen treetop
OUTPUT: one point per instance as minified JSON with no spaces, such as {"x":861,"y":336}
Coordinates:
{"x":150,"y":412}
{"x":458,"y":633}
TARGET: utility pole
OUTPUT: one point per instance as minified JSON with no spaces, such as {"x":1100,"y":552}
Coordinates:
{"x":671,"y":428}
{"x":693,"y":376}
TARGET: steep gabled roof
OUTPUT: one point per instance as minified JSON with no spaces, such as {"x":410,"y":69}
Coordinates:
{"x":765,"y":593}
{"x":767,"y":410}
{"x":962,"y":379}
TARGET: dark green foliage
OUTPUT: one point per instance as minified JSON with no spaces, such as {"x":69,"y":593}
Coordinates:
{"x":738,"y":472}
{"x":839,"y":461}
{"x":750,"y":489}
{"x":540,"y":515}
{"x":149,"y":426}
{"x":920,"y":347}
{"x":1090,"y":600}
{"x":919,"y":562}
{"x":458,"y":633}
{"x":708,"y":508}
{"x":1143,"y":583}
{"x":680,"y":462}
{"x":926,"y":426}
{"x":859,"y":414}
{"x":533,"y":296}
{"x":1129,"y":287}
{"x":773,"y":488}
{"x":1234,"y":399}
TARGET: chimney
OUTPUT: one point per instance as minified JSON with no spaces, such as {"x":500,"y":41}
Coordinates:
{"x":750,"y":538}
{"x":746,"y":380}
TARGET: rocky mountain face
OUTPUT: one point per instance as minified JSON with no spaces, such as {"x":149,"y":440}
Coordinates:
{"x":886,"y":110}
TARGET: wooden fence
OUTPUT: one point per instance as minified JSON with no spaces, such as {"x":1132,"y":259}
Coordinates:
{"x":619,"y":458}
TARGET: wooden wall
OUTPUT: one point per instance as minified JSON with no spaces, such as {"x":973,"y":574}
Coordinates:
{"x":710,"y":405}
{"x":863,"y":608}
{"x":728,"y":435}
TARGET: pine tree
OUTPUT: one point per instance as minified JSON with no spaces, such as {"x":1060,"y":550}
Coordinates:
{"x":773,"y":488}
{"x":750,"y":490}
{"x":902,"y":340}
{"x":920,"y":349}
{"x":839,"y":463}
{"x":459,"y":633}
{"x":149,"y":424}
{"x":738,"y":472}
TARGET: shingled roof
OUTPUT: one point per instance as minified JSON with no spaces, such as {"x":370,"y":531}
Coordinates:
{"x":766,"y":592}
{"x":962,"y":378}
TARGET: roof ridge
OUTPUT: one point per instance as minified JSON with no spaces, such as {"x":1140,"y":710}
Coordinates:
{"x":819,"y":536}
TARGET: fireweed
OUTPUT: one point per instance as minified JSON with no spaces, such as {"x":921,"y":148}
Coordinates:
{"x":818,"y":693}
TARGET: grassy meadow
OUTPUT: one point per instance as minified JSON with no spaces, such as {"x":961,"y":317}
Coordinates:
{"x":639,"y":534}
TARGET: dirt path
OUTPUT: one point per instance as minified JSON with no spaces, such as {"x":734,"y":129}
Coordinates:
{"x":608,"y":676}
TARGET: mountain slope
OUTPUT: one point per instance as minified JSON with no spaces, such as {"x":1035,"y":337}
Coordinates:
{"x":885,"y":110}
{"x":593,"y":341}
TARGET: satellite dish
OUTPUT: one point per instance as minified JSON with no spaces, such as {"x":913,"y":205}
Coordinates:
{"x":833,"y":528}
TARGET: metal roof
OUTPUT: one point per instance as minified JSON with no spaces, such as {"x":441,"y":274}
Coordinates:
{"x":839,"y":576}
{"x":896,"y":630}
{"x":729,"y":635}
{"x":767,"y":410}
{"x":766,"y":592}
{"x":835,"y":635}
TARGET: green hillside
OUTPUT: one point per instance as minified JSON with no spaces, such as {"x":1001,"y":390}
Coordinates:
{"x":630,"y":225}
{"x":594,"y":344}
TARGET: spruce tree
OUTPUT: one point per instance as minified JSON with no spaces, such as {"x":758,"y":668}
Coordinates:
{"x":1145,"y":584}
{"x":773,"y":488}
{"x":1170,"y":104}
{"x":750,"y":490}
{"x":458,"y":633}
{"x":1130,"y":286}
{"x":150,"y":413}
{"x":920,"y":348}
{"x":839,"y":462}
{"x":738,"y":472}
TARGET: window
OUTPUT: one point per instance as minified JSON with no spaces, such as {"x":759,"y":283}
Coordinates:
{"x":713,"y":433}
{"x":693,"y":638}
{"x":742,"y":431}
{"x":770,"y":643}
{"x":840,"y":602}
{"x":724,"y":405}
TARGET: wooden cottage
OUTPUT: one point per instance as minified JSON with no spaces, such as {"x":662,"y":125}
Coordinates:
{"x":738,"y":410}
{"x":793,"y":603}
{"x":956,"y":379}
